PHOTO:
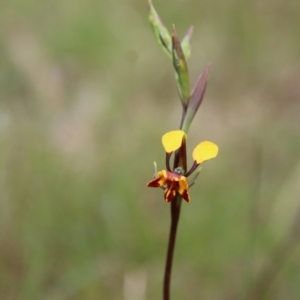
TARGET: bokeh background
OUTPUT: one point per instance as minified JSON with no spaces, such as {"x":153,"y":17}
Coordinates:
{"x":85,"y":95}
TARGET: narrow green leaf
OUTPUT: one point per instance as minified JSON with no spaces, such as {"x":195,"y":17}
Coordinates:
{"x":196,"y":98}
{"x":161,"y":33}
{"x":186,"y":42}
{"x":181,"y":68}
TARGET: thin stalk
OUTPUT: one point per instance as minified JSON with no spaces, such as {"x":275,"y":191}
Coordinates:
{"x":179,"y":160}
{"x":182,"y":118}
{"x":175,"y":213}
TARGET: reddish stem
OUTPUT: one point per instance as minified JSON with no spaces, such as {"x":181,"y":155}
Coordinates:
{"x":175,"y":213}
{"x":179,"y":160}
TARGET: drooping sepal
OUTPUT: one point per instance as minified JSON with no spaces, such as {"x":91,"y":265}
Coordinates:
{"x":195,"y":176}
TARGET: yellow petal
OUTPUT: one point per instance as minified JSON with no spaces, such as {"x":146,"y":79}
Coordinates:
{"x":205,"y":151}
{"x":172,"y":140}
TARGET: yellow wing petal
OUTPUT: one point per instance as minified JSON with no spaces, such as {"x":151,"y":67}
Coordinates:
{"x":172,"y":140}
{"x":205,"y":151}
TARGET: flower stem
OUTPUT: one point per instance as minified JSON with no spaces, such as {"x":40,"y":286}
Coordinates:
{"x":175,"y":213}
{"x":179,"y":161}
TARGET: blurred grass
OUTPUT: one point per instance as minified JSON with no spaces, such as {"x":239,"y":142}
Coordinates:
{"x":85,"y":94}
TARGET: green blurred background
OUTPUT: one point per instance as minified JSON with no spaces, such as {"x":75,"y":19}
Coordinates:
{"x":85,"y":95}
